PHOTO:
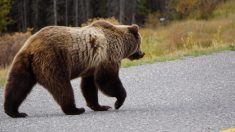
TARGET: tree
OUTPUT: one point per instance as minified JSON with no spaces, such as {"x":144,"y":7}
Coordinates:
{"x":66,"y":12}
{"x":35,"y":14}
{"x":5,"y":6}
{"x":25,"y":21}
{"x":142,"y":11}
{"x":76,"y":12}
{"x":121,"y":11}
{"x":55,"y":12}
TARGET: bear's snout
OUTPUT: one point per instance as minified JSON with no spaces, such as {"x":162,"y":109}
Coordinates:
{"x":137,"y":55}
{"x":141,"y":54}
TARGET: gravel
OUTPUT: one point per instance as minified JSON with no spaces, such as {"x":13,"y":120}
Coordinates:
{"x":191,"y":95}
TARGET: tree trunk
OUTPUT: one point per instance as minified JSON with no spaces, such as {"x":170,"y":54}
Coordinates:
{"x":20,"y":17}
{"x":24,"y":15}
{"x":76,"y":12}
{"x":121,"y":11}
{"x":35,"y":22}
{"x":82,"y":11}
{"x":134,"y":6}
{"x":88,"y":9}
{"x":66,"y":12}
{"x":55,"y":12}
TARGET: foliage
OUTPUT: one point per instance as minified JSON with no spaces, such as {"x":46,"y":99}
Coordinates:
{"x":183,"y":7}
{"x":225,"y":9}
{"x":9,"y":46}
{"x":152,"y":20}
{"x":189,"y":37}
{"x":194,"y":9}
{"x":5,"y":6}
{"x":39,"y":13}
{"x":142,"y":8}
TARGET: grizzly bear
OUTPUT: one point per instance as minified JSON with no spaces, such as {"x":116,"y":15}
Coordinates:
{"x":56,"y":54}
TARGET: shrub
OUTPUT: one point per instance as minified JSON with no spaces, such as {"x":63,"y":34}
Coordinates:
{"x":152,"y":20}
{"x":225,"y":9}
{"x":193,"y":9}
{"x":10,"y":45}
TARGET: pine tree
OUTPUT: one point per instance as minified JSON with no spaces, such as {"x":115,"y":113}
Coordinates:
{"x":5,"y":6}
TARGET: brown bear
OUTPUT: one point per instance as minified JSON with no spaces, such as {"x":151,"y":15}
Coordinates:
{"x":56,"y":54}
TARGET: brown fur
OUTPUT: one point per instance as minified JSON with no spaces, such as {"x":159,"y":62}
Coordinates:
{"x":55,"y":55}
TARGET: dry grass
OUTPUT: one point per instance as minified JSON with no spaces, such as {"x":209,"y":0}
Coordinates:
{"x":189,"y":37}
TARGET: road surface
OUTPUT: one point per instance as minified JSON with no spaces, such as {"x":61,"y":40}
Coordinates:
{"x":191,"y":95}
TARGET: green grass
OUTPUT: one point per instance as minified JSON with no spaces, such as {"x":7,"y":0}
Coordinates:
{"x":209,"y":51}
{"x":3,"y":76}
{"x":2,"y":82}
{"x":178,"y":55}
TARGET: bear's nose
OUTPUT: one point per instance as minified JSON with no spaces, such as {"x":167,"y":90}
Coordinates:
{"x":141,"y":54}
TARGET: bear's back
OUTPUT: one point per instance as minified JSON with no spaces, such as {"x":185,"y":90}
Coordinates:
{"x":87,"y":46}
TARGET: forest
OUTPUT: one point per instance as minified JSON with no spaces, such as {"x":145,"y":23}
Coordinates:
{"x":170,"y":29}
{"x":18,"y":15}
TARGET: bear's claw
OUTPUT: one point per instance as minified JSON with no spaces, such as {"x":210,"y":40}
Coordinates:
{"x":118,"y":103}
{"x":17,"y":115}
{"x":104,"y":108}
{"x":73,"y":110}
{"x":101,"y":108}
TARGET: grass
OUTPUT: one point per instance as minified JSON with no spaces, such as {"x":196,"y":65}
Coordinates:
{"x":185,"y":38}
{"x":3,"y":75}
{"x":178,"y":55}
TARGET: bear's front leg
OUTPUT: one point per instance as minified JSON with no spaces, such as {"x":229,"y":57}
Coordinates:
{"x":108,"y":81}
{"x":90,"y":93}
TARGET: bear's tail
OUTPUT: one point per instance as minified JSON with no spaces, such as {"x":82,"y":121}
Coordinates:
{"x":20,"y":82}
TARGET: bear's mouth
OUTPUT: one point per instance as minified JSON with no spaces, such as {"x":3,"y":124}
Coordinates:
{"x":137,"y":55}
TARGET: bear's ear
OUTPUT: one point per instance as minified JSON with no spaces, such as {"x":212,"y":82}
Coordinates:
{"x":134,"y":29}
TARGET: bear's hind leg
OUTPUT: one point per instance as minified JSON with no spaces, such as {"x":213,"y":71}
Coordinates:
{"x":53,"y":73}
{"x":90,"y":93}
{"x":62,"y":92}
{"x":20,"y":82}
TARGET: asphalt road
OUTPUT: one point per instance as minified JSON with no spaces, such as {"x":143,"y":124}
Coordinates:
{"x":190,"y":95}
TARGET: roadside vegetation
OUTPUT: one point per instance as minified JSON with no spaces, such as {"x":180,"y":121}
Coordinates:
{"x":160,"y":42}
{"x":189,"y":37}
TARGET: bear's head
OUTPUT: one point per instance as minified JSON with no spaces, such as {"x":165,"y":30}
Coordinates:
{"x":130,"y":35}
{"x":132,"y":41}
{"x":136,"y":53}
